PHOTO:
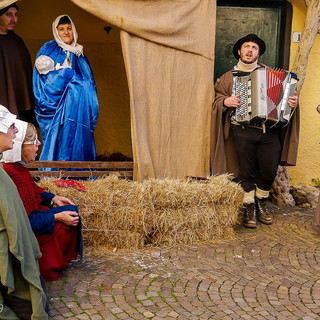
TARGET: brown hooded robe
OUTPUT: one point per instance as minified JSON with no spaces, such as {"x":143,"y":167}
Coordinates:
{"x":223,"y":155}
{"x":16,"y":74}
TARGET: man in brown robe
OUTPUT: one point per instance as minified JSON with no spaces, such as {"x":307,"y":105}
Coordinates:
{"x":250,"y":153}
{"x":15,"y":66}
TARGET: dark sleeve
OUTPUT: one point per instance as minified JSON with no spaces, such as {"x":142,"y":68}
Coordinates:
{"x":46,"y":198}
{"x":223,"y":90}
{"x":42,"y":221}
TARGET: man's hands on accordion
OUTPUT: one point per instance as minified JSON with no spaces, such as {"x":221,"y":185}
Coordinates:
{"x":232,"y":102}
{"x":293,"y":100}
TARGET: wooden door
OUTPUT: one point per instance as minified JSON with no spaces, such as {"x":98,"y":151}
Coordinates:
{"x":236,"y":21}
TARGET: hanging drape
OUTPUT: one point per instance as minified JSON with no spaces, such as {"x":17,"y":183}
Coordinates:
{"x":168,"y":48}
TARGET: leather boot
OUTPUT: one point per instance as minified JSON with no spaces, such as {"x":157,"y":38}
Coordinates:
{"x":250,"y":219}
{"x":263,"y":214}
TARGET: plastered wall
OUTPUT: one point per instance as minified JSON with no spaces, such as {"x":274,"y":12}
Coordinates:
{"x":308,"y":165}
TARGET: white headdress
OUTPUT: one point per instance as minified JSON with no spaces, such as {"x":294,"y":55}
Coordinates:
{"x":14,"y":154}
{"x":75,"y":48}
{"x":6,"y":119}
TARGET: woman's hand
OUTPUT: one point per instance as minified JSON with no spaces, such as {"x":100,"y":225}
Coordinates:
{"x":232,"y":102}
{"x":69,"y":218}
{"x":61,"y":201}
{"x":293,"y":100}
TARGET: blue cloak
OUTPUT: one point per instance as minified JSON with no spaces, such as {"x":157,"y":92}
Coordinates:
{"x":66,"y":107}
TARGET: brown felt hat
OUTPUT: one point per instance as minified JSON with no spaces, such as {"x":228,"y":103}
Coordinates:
{"x":249,"y":37}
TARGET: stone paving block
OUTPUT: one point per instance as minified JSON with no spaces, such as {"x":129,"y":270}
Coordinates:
{"x":83,"y":317}
{"x":268,"y":273}
{"x":96,"y":317}
{"x":58,"y":317}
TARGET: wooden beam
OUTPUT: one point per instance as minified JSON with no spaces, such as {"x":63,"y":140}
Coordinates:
{"x":81,"y":169}
{"x":80,"y":174}
{"x":82,"y":164}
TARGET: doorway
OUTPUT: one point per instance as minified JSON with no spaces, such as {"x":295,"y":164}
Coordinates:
{"x":270,"y":20}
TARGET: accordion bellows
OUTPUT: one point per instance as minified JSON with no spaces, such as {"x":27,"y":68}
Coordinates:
{"x":264,"y":96}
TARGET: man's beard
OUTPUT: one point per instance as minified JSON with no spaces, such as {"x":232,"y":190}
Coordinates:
{"x":249,"y":62}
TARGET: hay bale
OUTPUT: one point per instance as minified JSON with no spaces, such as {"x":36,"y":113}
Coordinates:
{"x":129,"y":215}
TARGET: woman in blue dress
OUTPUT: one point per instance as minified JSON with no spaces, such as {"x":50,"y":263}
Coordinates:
{"x":66,"y":98}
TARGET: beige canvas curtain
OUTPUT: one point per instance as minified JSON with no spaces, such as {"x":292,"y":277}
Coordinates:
{"x":168,"y":51}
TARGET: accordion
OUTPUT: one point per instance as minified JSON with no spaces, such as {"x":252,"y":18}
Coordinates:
{"x":264,"y":96}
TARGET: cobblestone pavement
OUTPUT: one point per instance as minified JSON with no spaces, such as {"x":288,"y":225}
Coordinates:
{"x":272,"y":272}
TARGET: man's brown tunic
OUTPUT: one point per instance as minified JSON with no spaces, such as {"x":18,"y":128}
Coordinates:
{"x":16,"y":74}
{"x":223,"y":155}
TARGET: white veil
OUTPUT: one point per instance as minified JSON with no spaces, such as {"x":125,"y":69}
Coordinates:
{"x":75,"y":48}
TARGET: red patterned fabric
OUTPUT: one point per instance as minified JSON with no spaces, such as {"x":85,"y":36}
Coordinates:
{"x":59,"y":247}
{"x":70,"y":183}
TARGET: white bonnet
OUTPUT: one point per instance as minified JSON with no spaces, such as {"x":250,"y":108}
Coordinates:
{"x":6,"y":119}
{"x":14,"y":154}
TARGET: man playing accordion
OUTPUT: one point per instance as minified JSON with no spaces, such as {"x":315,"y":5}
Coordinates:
{"x":249,"y":151}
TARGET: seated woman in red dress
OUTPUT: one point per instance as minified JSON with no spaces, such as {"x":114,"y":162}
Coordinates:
{"x":54,"y":219}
